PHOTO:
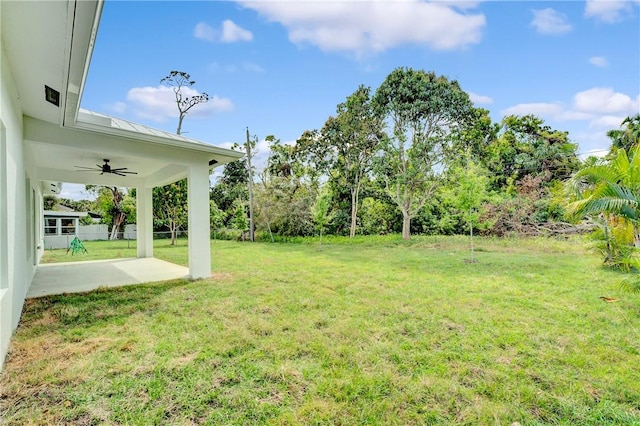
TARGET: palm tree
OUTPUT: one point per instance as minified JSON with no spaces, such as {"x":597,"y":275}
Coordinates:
{"x":612,"y":188}
{"x":627,"y":137}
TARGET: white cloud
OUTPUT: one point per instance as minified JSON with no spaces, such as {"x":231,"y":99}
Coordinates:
{"x":75,"y":191}
{"x":606,"y":122}
{"x":228,"y":33}
{"x":550,"y":21}
{"x":609,"y":11}
{"x":251,"y":67}
{"x":373,"y":26}
{"x":158,"y":103}
{"x":460,"y":4}
{"x":599,"y":61}
{"x":204,"y":32}
{"x":215,"y":67}
{"x":601,"y":108}
{"x":117,"y":107}
{"x":603,"y":100}
{"x":479,"y":99}
{"x":571,"y":115}
{"x":232,"y":32}
{"x":540,"y":109}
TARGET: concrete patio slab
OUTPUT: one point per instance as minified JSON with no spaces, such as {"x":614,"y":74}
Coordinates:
{"x":74,"y":277}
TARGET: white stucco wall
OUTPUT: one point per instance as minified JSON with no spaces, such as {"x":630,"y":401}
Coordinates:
{"x":17,"y":256}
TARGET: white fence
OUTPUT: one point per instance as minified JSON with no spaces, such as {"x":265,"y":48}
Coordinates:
{"x":84,"y":232}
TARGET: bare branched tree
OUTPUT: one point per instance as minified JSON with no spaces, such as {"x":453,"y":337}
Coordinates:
{"x":178,"y":80}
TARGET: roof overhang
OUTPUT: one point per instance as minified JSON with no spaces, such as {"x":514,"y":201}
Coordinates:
{"x":52,"y":213}
{"x":49,"y":43}
{"x":157,"y":160}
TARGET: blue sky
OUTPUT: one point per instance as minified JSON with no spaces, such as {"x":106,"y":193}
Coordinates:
{"x":281,"y":67}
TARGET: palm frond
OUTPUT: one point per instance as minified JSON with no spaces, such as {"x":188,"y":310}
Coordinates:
{"x":631,"y":283}
{"x":595,"y":174}
{"x":600,"y":205}
{"x":634,"y":172}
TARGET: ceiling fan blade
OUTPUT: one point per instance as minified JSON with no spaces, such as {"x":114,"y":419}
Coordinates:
{"x":105,"y":168}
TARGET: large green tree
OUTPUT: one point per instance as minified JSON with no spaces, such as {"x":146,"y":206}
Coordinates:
{"x":286,"y":194}
{"x":629,"y":135}
{"x":474,"y":139}
{"x":170,"y":207}
{"x":229,"y":187}
{"x":347,"y":144}
{"x":526,"y":146}
{"x":421,"y":110}
{"x":115,"y":206}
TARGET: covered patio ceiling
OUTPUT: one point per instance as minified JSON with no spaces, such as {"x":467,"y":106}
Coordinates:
{"x":157,"y":157}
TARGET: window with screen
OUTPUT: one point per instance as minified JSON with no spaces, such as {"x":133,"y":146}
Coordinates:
{"x":51,"y":226}
{"x":67,"y":226}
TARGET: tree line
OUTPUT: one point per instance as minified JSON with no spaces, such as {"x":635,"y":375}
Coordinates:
{"x":412,"y":156}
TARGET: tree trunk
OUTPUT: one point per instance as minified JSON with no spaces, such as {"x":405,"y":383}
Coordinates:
{"x":607,"y":238}
{"x":354,"y":212}
{"x":473,"y":259}
{"x":270,"y":234}
{"x":118,"y":219}
{"x":250,"y":185}
{"x":173,"y":228}
{"x":179,"y":129}
{"x":406,"y":225}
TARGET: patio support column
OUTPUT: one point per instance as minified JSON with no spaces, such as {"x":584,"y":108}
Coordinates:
{"x":144,"y":221}
{"x":199,"y":234}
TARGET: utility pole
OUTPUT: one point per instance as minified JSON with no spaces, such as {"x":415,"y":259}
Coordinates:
{"x":247,"y":147}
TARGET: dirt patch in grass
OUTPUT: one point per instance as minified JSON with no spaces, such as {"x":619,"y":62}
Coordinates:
{"x":220,"y":276}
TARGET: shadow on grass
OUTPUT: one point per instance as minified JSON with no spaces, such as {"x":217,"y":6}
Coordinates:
{"x":94,"y":308}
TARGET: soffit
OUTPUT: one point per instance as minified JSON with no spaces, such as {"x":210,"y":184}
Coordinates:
{"x":48,"y":43}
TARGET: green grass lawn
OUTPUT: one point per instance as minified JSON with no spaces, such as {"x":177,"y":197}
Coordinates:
{"x":374,"y":331}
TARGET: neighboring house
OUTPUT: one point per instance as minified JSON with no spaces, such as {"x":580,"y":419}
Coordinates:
{"x":45,"y":51}
{"x":60,"y":228}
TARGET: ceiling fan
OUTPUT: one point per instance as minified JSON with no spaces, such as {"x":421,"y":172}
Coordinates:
{"x":106,"y":168}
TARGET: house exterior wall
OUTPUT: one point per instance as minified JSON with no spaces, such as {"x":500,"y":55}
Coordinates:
{"x":20,"y":206}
